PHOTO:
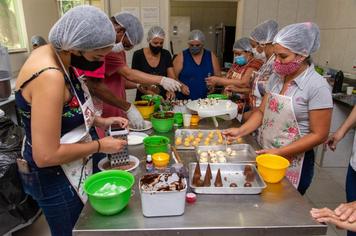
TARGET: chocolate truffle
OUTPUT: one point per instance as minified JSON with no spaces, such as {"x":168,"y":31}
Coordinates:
{"x":207,"y":182}
{"x":247,"y":169}
{"x":250,"y":176}
{"x":208,"y":171}
{"x":247,"y":184}
{"x":218,"y":181}
{"x":233,"y":185}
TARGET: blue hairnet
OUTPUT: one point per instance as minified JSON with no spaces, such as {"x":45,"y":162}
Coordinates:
{"x":197,"y":35}
{"x":133,"y":26}
{"x":300,"y":38}
{"x":82,"y":28}
{"x":38,"y":40}
{"x":242,"y":44}
{"x":155,"y":32}
{"x":265,"y":32}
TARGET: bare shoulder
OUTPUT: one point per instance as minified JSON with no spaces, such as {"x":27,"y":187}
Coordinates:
{"x":38,"y":60}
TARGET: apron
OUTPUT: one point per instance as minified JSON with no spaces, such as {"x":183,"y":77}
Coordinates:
{"x":353,"y":155}
{"x":77,"y":171}
{"x":260,"y":81}
{"x":280,"y":128}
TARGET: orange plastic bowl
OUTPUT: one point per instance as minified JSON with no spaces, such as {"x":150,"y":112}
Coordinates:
{"x":160,"y":159}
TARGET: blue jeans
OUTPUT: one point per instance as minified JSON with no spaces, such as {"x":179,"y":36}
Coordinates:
{"x":351,"y":190}
{"x":96,"y":156}
{"x":307,"y":172}
{"x":55,"y":196}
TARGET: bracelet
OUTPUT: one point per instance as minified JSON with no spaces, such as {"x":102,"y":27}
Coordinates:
{"x":98,"y":146}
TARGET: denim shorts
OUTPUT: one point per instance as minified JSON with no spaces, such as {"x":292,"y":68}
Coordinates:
{"x":56,"y":197}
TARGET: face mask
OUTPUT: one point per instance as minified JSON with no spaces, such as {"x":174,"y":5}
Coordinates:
{"x":155,"y":50}
{"x":118,"y":47}
{"x":260,"y":56}
{"x":82,"y":63}
{"x":284,"y":69}
{"x":240,"y":60}
{"x":195,"y":50}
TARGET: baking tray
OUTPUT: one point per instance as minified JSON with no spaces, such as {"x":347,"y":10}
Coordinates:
{"x":245,"y":153}
{"x":230,"y":173}
{"x":184,"y":133}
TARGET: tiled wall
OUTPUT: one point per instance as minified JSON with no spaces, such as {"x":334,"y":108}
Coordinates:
{"x":206,"y":14}
{"x":336,"y":19}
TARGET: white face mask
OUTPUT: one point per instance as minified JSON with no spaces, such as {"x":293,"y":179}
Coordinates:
{"x":118,"y":47}
{"x":260,"y":56}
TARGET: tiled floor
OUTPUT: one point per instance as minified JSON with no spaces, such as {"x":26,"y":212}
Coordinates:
{"x":327,"y":190}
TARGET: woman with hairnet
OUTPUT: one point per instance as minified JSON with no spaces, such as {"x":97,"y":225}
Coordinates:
{"x":57,"y":113}
{"x":261,"y":40}
{"x":155,"y":60}
{"x":118,"y":76}
{"x":194,"y":65}
{"x":295,"y":114}
{"x":37,"y":41}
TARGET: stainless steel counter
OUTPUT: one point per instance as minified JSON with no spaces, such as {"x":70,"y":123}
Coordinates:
{"x":278,"y":210}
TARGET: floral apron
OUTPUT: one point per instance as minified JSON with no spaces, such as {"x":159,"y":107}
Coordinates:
{"x":280,"y":128}
{"x":77,"y":171}
{"x":259,"y":82}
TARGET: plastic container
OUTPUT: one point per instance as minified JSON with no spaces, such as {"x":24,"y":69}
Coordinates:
{"x":194,"y":120}
{"x":178,"y":119}
{"x":162,"y":121}
{"x":155,"y":98}
{"x":271,"y":167}
{"x":156,"y":143}
{"x":109,"y":205}
{"x":149,"y":164}
{"x":167,"y":203}
{"x":144,"y":108}
{"x":160,"y":159}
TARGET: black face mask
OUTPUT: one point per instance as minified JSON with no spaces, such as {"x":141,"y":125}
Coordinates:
{"x":82,"y":63}
{"x":155,"y":50}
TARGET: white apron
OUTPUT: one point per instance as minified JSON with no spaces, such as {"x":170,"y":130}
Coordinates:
{"x":77,"y":171}
{"x":280,"y":128}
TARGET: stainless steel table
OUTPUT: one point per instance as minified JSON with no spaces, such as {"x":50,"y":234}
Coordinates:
{"x":278,"y":210}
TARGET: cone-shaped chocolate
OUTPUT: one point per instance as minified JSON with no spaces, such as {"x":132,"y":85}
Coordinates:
{"x":197,"y":170}
{"x":218,"y":181}
{"x":196,"y":180}
{"x":250,"y":176}
{"x":207,"y":181}
{"x":208,"y":171}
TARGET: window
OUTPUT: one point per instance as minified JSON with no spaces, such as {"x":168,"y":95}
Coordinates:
{"x":12,"y":30}
{"x":65,"y":5}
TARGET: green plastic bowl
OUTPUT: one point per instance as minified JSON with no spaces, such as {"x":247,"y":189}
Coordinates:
{"x":162,"y":125}
{"x":109,"y":205}
{"x":218,"y":96}
{"x":155,"y":98}
{"x":156,"y":143}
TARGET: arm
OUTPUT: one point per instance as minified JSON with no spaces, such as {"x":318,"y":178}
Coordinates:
{"x":99,"y":89}
{"x":319,"y":129}
{"x":244,"y":82}
{"x":178,"y":64}
{"x":130,"y":85}
{"x":47,"y":99}
{"x":216,"y":65}
{"x":342,"y":130}
{"x":139,"y":76}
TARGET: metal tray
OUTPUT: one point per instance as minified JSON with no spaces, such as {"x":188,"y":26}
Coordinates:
{"x":230,"y":173}
{"x":245,"y":153}
{"x":183,"y":133}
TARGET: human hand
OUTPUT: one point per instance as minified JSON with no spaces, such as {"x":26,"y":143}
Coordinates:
{"x":325,"y":215}
{"x":231,"y":88}
{"x":212,"y":80}
{"x":135,"y":117}
{"x":117,"y":121}
{"x":334,"y":139}
{"x":347,"y":211}
{"x":185,"y":89}
{"x":232,"y":133}
{"x":274,"y":151}
{"x":170,"y":84}
{"x":110,"y":145}
{"x":170,"y":95}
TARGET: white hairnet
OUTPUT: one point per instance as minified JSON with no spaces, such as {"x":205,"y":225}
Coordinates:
{"x":82,"y":28}
{"x":38,"y":40}
{"x":242,"y":44}
{"x":265,"y":32}
{"x":155,"y":32}
{"x":197,"y":35}
{"x":301,"y":38}
{"x":133,"y":26}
